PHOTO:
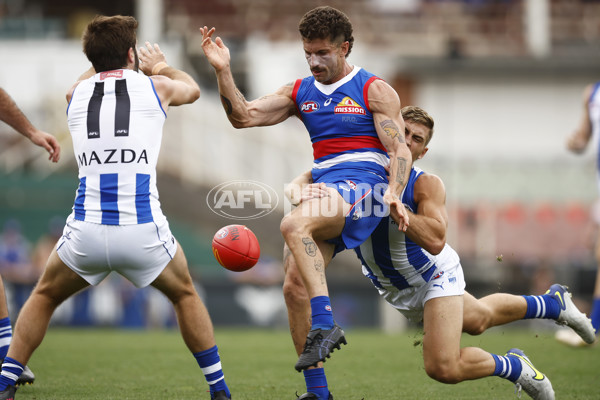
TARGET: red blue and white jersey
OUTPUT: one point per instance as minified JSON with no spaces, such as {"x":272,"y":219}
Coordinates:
{"x":392,"y":261}
{"x":340,"y":124}
{"x":116,"y":120}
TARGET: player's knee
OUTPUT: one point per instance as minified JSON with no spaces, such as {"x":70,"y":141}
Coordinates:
{"x":477,"y":327}
{"x":288,"y":226}
{"x":441,"y":371}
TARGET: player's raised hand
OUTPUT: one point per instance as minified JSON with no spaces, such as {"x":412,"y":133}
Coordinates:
{"x":48,"y":142}
{"x":150,"y":56}
{"x":216,"y":52}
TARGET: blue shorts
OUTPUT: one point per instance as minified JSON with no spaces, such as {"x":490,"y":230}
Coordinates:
{"x":364,"y":192}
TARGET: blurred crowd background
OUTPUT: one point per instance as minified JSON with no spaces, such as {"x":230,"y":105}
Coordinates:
{"x":503,"y":80}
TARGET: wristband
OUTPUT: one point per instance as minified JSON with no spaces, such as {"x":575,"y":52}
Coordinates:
{"x":158,"y":67}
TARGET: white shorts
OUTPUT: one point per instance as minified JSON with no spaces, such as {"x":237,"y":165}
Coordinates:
{"x":447,"y":281}
{"x":138,"y":252}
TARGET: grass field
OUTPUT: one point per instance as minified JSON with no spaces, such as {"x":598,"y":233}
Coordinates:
{"x":115,"y":364}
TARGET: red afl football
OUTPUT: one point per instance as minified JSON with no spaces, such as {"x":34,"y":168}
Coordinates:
{"x":236,"y":248}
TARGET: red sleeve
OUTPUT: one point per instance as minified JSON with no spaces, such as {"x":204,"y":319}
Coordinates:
{"x":366,"y":91}
{"x":295,"y":93}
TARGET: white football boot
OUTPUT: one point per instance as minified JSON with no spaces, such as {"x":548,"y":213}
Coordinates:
{"x":571,"y":316}
{"x":532,"y":381}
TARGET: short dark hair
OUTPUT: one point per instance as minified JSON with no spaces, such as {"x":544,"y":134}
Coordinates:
{"x":107,"y":40}
{"x":326,"y":23}
{"x":419,"y":116}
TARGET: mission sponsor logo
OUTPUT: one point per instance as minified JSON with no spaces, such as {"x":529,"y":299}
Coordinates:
{"x":309,"y":106}
{"x":349,"y":106}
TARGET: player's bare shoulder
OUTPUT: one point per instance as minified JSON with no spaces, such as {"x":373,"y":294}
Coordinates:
{"x":381,"y":95}
{"x":429,"y":186}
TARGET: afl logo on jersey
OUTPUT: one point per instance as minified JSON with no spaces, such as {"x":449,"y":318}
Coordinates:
{"x":309,"y":106}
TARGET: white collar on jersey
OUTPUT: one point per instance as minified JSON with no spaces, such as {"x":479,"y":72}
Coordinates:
{"x":328,"y":89}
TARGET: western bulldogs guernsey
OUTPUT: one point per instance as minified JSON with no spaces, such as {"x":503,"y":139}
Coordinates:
{"x":391,"y":260}
{"x":116,"y":120}
{"x":340,"y":124}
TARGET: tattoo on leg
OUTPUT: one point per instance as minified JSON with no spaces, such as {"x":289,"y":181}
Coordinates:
{"x":227,"y":105}
{"x":309,"y":246}
{"x":321,"y":270}
{"x":319,"y":266}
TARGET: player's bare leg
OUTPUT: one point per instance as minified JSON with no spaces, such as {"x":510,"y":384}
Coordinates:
{"x":312,"y":222}
{"x":296,"y":301}
{"x":305,"y":230}
{"x":193,"y":318}
{"x":298,"y":306}
{"x":194,"y":321}
{"x":444,"y":360}
{"x":57,"y":283}
{"x":493,"y":310}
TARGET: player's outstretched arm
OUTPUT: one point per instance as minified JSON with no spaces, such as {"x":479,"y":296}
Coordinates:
{"x":579,"y":139}
{"x":173,"y":86}
{"x":385,"y":106}
{"x":13,"y":116}
{"x":265,"y":111}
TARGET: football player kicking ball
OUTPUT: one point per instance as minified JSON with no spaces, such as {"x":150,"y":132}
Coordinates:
{"x":421,"y":276}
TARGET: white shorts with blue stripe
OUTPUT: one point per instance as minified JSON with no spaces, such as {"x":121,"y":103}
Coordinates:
{"x":138,"y":252}
{"x":446,"y":281}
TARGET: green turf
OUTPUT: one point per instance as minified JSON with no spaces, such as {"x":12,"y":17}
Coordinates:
{"x":258,"y":364}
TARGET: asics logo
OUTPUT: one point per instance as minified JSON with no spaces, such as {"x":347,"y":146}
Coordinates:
{"x":538,"y":375}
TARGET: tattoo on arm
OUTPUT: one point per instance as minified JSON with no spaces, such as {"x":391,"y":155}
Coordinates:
{"x":226,"y":105}
{"x":390,"y":128}
{"x":401,"y":170}
{"x":310,"y":247}
{"x":240,"y":96}
{"x":268,"y":96}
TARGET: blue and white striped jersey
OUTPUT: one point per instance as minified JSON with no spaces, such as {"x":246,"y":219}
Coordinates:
{"x":391,"y":260}
{"x":116,"y":121}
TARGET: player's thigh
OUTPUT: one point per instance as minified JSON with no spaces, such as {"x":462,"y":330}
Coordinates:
{"x":175,"y":280}
{"x":323,"y":217}
{"x":58,"y":281}
{"x":442,"y":324}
